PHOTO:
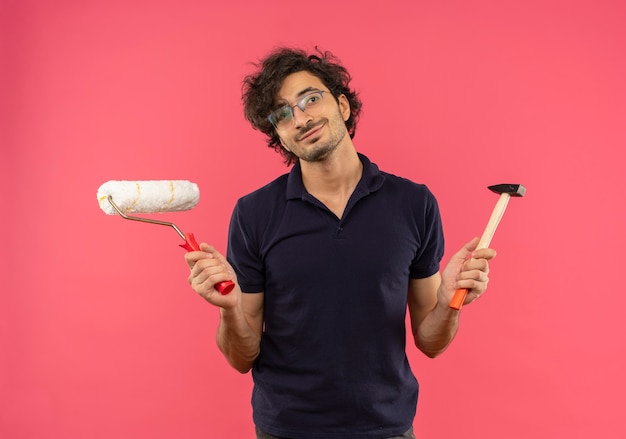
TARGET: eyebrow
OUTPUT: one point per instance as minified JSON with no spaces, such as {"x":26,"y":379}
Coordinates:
{"x":282,"y":102}
{"x":307,"y":90}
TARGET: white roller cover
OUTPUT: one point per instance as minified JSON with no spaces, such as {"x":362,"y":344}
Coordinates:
{"x":155,"y":196}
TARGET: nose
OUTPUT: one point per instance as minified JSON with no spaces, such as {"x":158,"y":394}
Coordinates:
{"x":300,"y":118}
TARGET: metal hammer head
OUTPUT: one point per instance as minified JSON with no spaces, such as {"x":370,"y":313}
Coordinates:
{"x":514,"y":190}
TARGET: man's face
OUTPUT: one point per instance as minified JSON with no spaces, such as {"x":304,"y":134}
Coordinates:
{"x":317,"y":131}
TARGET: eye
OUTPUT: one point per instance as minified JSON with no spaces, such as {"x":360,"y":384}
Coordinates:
{"x":283,"y":113}
{"x":311,"y":99}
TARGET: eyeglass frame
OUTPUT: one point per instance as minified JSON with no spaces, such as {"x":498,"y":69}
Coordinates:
{"x":298,"y":104}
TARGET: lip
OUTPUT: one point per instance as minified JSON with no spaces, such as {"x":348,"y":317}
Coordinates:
{"x":311,"y":132}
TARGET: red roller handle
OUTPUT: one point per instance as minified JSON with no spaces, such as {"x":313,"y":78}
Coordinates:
{"x":191,"y":245}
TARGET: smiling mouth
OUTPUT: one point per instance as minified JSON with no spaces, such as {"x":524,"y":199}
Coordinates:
{"x":311,"y":131}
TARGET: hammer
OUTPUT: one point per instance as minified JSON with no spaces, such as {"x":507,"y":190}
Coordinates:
{"x":506,"y":191}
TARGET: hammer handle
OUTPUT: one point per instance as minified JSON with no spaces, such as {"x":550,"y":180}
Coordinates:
{"x":485,"y":240}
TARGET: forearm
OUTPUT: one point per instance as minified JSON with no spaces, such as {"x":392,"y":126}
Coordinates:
{"x":237,"y":339}
{"x":437,"y":330}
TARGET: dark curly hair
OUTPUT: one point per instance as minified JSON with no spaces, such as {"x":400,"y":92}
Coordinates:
{"x":259,"y":89}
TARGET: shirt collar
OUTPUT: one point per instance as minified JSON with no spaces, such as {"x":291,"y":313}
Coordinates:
{"x":371,"y":180}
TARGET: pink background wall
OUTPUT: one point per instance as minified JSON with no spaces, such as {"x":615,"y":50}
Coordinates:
{"x":100,"y":335}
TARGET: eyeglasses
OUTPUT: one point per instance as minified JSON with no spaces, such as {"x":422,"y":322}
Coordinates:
{"x":309,"y":103}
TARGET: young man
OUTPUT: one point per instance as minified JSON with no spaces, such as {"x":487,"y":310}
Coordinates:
{"x":326,"y":260}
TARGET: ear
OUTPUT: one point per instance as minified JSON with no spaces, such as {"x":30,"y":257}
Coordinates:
{"x":344,"y":107}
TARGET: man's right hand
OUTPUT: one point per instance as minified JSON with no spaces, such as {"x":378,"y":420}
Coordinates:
{"x":209,"y":268}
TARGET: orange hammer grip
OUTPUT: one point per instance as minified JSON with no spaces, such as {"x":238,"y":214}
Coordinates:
{"x":458,"y":299}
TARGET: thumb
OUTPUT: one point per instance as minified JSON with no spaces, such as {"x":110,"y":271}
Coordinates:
{"x":465,"y":253}
{"x":460,"y":257}
{"x":213,"y":253}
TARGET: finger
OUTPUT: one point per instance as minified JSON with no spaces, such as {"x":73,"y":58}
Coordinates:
{"x":466,"y":251}
{"x":476,"y":276}
{"x":471,"y":245}
{"x":204,"y":280}
{"x":473,"y":295}
{"x":484,"y":253}
{"x":473,"y":287}
{"x":476,"y":264}
{"x":206,"y":247}
{"x":209,"y":266}
{"x":220,"y":257}
{"x":207,"y":289}
{"x":209,"y":249}
{"x":205,"y":267}
{"x":192,"y":257}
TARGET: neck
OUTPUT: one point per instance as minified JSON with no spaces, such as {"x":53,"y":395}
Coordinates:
{"x":337,"y":174}
{"x":333,"y":180}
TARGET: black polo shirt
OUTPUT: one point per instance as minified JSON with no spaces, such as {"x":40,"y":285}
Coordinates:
{"x":332,"y":361}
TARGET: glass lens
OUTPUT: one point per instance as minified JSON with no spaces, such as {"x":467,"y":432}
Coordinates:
{"x":310,"y":101}
{"x":281,"y":116}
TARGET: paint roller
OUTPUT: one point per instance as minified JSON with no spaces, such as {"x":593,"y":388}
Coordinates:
{"x":158,"y":196}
